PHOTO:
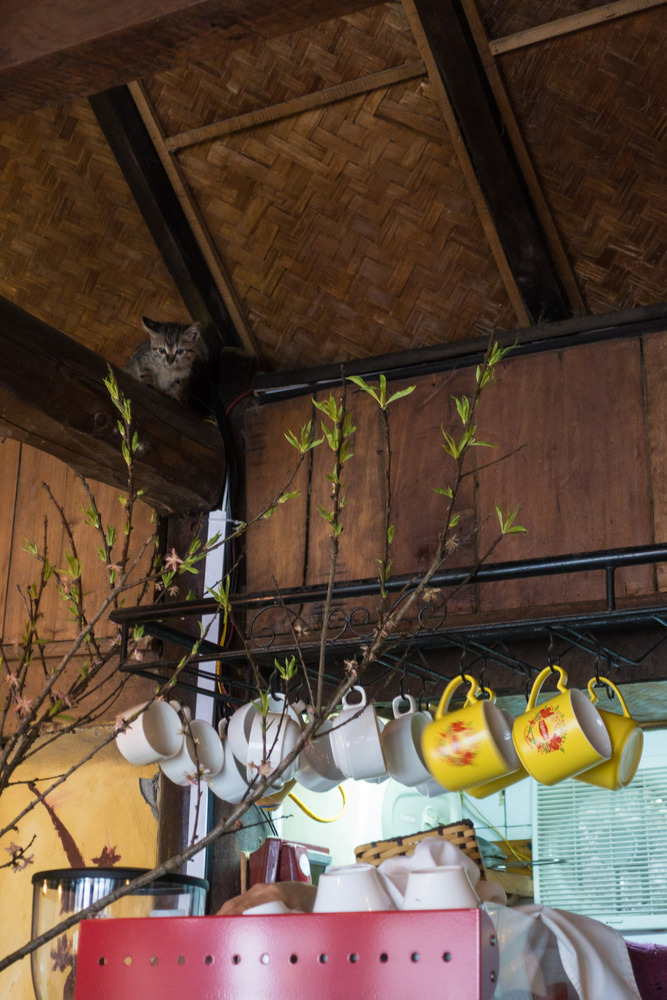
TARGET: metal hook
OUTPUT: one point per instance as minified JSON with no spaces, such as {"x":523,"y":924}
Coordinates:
{"x":464,"y":653}
{"x":552,"y":659}
{"x":484,"y":693}
{"x":598,"y":680}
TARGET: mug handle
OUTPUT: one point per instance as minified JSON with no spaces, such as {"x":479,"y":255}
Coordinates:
{"x":362,"y":692}
{"x":471,"y":698}
{"x":540,"y":679}
{"x":397,"y":701}
{"x":594,"y":697}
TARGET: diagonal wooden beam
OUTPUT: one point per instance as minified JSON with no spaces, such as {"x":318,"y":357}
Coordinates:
{"x":52,"y":396}
{"x":58,"y":50}
{"x":454,"y":56}
{"x":131,"y":144}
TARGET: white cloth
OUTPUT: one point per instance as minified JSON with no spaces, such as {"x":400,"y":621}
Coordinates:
{"x":539,"y":947}
{"x":434,"y":851}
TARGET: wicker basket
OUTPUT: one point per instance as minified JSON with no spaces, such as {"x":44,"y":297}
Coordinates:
{"x":461,"y":834}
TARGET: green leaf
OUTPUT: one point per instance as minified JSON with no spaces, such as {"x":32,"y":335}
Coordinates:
{"x":400,"y":393}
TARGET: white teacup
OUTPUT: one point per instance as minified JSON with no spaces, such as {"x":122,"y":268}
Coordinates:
{"x":355,"y":740}
{"x":155,"y":734}
{"x":353,"y":888}
{"x":316,"y":768}
{"x":202,"y":755}
{"x":401,"y":743}
{"x":238,"y":730}
{"x":229,"y":784}
{"x":276,"y":906}
{"x":272,"y":737}
{"x":446,"y":887}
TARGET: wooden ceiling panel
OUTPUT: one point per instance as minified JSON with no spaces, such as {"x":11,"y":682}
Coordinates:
{"x":347,"y":233}
{"x":269,"y":72}
{"x":591,"y":108}
{"x":74,"y":250}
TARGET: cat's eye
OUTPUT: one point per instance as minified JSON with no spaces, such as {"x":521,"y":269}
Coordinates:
{"x":161,"y":350}
{"x":179,"y":350}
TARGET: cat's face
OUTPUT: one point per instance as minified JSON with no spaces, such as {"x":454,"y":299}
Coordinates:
{"x":174,"y":345}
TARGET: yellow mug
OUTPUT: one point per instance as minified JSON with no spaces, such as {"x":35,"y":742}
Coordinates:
{"x":627,"y":743}
{"x":471,"y":745}
{"x":500,"y":784}
{"x":564,"y":736}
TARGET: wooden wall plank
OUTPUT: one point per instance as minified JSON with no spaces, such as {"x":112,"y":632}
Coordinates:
{"x":582,"y":475}
{"x":275,"y":547}
{"x":32,"y":505}
{"x":10,"y":456}
{"x":655,"y":364}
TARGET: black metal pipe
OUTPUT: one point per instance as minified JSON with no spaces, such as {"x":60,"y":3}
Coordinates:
{"x":610,"y":559}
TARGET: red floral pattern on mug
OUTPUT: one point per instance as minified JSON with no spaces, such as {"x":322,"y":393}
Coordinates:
{"x":455,"y":744}
{"x":547,"y":730}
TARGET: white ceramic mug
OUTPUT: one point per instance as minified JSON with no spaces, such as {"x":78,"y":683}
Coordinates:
{"x":155,"y":734}
{"x":202,"y":755}
{"x":316,"y":768}
{"x":229,"y":784}
{"x":354,"y":888}
{"x":401,"y":743}
{"x":355,"y":740}
{"x":446,"y":887}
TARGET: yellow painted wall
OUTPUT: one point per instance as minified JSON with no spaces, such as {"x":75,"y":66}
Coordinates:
{"x":101,"y":805}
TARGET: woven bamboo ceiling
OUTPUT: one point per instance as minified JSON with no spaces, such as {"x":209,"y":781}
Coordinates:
{"x":323,"y":183}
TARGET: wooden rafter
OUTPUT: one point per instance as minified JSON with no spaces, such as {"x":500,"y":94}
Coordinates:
{"x":574,"y":22}
{"x":163,"y":213}
{"x":456,"y":60}
{"x":52,"y":396}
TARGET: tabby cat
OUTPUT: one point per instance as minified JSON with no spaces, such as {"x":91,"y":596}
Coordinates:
{"x":165,"y":361}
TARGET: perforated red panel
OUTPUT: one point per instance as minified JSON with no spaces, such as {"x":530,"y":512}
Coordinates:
{"x":442,"y":955}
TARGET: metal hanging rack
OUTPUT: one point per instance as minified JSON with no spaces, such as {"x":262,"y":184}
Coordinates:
{"x":347,"y":629}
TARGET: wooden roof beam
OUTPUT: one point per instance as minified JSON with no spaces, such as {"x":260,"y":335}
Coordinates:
{"x":455,"y":57}
{"x":52,"y":396}
{"x":59,"y":50}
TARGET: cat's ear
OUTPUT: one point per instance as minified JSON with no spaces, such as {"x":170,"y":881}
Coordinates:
{"x":150,"y":325}
{"x":192,"y":333}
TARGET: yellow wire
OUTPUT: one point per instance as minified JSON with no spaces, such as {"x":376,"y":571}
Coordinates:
{"x":479,"y":815}
{"x":321,"y":819}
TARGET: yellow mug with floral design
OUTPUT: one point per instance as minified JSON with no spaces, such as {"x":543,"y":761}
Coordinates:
{"x":470,"y":745}
{"x":507,"y":780}
{"x":562,"y":737}
{"x":627,"y":743}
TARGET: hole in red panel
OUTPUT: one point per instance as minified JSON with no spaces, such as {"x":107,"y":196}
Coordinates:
{"x":180,"y":960}
{"x":447,"y":957}
{"x":236,"y":959}
{"x":153,"y":959}
{"x":265,"y":959}
{"x":384,"y":957}
{"x":127,"y":960}
{"x":323,"y":959}
{"x":353,"y":958}
{"x":101,"y":960}
{"x":414,"y":957}
{"x":208,"y":960}
{"x":294,"y":959}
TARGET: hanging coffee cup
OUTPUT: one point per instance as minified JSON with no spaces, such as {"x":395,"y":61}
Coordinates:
{"x":627,"y":743}
{"x":564,"y":736}
{"x":154,"y":733}
{"x":507,"y":780}
{"x":471,"y":745}
{"x":401,"y":743}
{"x":355,"y":739}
